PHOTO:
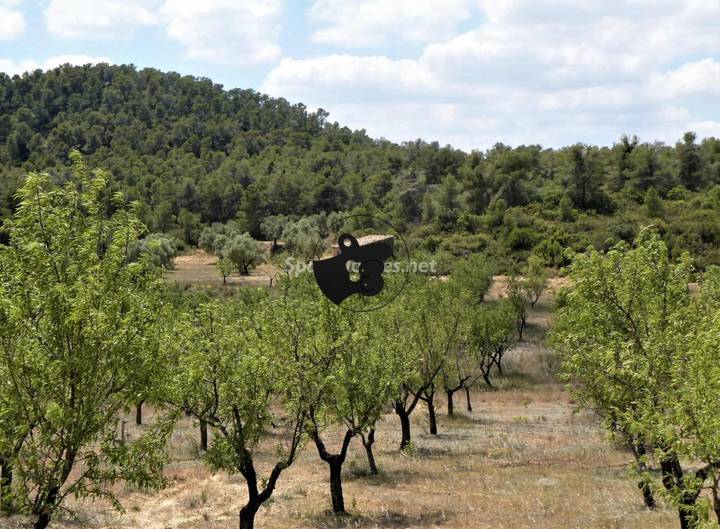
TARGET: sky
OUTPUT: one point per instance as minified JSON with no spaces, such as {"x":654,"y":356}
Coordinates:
{"x":468,"y":73}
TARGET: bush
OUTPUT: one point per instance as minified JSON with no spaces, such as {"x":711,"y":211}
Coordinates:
{"x":158,"y":248}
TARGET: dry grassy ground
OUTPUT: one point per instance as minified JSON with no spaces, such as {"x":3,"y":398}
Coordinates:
{"x":199,"y":269}
{"x":521,"y":459}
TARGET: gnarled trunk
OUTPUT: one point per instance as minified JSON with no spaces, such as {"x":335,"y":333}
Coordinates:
{"x":203,"y":436}
{"x":368,"y":444}
{"x":43,"y":509}
{"x":432,"y":416}
{"x":467,"y":397}
{"x":450,"y":405}
{"x":335,"y":462}
{"x":139,"y":413}
{"x":638,"y":450}
{"x":673,"y":478}
{"x":247,"y":516}
{"x":6,"y":478}
{"x":336,"y":491}
{"x":404,"y":416}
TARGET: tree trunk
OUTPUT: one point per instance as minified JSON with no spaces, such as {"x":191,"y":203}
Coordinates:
{"x":335,"y":462}
{"x":368,"y":444}
{"x":336,"y":492}
{"x":42,"y":521}
{"x":431,"y":414}
{"x":467,"y":396}
{"x":138,"y":413}
{"x":638,"y":450}
{"x":203,"y":436}
{"x":521,"y":326}
{"x":404,"y":425}
{"x":673,"y":479}
{"x":247,"y":516}
{"x":6,"y":477}
{"x":43,"y":510}
{"x":450,"y":405}
{"x":716,"y":497}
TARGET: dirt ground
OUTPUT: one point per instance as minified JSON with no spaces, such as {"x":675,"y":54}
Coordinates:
{"x":521,"y":459}
{"x":199,"y":269}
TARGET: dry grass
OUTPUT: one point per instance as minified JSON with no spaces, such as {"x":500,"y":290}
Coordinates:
{"x":522,"y":459}
{"x":199,"y":269}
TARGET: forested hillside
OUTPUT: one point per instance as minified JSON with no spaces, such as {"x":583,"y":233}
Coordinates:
{"x":194,"y":153}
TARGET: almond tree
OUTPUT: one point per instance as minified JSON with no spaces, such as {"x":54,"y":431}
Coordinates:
{"x":427,"y":324}
{"x":640,"y":351}
{"x":246,"y":381}
{"x":80,"y":314}
{"x":357,"y":387}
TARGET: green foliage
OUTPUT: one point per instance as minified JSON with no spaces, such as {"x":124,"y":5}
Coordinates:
{"x":653,"y":203}
{"x":304,"y":238}
{"x":157,"y":248}
{"x":473,"y":276}
{"x":193,"y":154}
{"x":637,"y":344}
{"x":490,"y":333}
{"x":242,"y":251}
{"x":77,"y":327}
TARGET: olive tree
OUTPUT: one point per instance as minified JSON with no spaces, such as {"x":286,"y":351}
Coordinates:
{"x":304,"y":238}
{"x":272,"y":227}
{"x":636,"y":345}
{"x":76,"y":315}
{"x":242,"y":251}
{"x":158,"y":248}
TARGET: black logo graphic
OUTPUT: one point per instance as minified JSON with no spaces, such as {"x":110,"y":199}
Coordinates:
{"x":333,"y":275}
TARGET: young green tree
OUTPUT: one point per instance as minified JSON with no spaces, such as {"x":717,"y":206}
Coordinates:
{"x":517,"y":293}
{"x":242,"y":251}
{"x":636,"y":344}
{"x":234,"y":372}
{"x":358,"y":385}
{"x":80,"y":314}
{"x":473,"y":276}
{"x":15,"y":421}
{"x":225,"y":266}
{"x":490,"y":332}
{"x":535,"y":277}
{"x":427,"y":325}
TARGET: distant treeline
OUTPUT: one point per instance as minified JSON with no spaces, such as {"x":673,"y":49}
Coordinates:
{"x":194,"y":154}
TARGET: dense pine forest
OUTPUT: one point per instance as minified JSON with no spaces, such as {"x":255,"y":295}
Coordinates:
{"x":193,"y":153}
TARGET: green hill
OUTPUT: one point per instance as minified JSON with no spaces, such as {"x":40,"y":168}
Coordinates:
{"x":193,"y":153}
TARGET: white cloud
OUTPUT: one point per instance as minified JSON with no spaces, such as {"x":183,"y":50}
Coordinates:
{"x":551,"y":72}
{"x":12,"y":67}
{"x":12,"y":21}
{"x":99,"y":18}
{"x":239,"y":32}
{"x":225,"y":31}
{"x":370,"y":23}
{"x":345,"y":74}
{"x":691,"y":78}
